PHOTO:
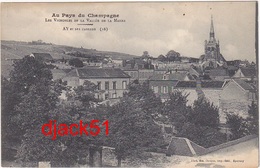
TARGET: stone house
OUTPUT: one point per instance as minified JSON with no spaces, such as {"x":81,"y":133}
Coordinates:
{"x":111,"y":83}
{"x":133,"y":73}
{"x":163,"y":84}
{"x":219,"y":74}
{"x":236,"y":96}
{"x":59,"y":73}
{"x":211,"y":90}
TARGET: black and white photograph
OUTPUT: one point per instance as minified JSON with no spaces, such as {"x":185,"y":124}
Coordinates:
{"x":130,"y":84}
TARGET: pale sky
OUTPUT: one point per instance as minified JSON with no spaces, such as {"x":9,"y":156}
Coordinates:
{"x":154,"y":27}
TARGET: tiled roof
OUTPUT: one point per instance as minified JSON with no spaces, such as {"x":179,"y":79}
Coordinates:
{"x":98,"y":73}
{"x":218,"y":72}
{"x":172,"y":76}
{"x":59,"y":73}
{"x":243,"y":84}
{"x":204,"y":84}
{"x":248,"y":72}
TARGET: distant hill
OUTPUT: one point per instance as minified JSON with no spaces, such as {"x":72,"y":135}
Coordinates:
{"x":16,"y":50}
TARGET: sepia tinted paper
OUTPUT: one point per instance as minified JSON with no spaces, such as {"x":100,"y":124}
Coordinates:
{"x":132,"y":28}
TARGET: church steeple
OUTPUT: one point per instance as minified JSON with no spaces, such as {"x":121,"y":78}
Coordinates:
{"x":212,"y":33}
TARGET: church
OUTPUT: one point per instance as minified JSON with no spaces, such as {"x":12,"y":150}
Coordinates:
{"x":212,"y":58}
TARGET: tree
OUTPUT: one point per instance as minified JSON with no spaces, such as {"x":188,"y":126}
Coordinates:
{"x":131,"y":130}
{"x":161,"y":58}
{"x":253,"y":118}
{"x":145,"y":54}
{"x":27,"y":72}
{"x":172,"y":55}
{"x":76,"y":62}
{"x":205,"y":113}
{"x":237,"y":125}
{"x":240,"y":126}
{"x":31,"y":98}
{"x":85,"y":94}
{"x":176,"y":108}
{"x":198,"y":123}
{"x":150,"y":103}
{"x":202,"y":135}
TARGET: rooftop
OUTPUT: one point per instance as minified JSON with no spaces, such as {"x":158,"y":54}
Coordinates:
{"x":243,"y":84}
{"x":171,"y":76}
{"x":98,"y":73}
{"x":204,"y":84}
{"x":248,"y":72}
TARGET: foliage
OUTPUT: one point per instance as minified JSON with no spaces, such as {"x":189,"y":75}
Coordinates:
{"x":131,"y":129}
{"x":202,"y":135}
{"x":173,"y":56}
{"x":76,"y":62}
{"x":240,"y":126}
{"x":85,"y":94}
{"x":30,"y":100}
{"x":150,"y":103}
{"x":205,"y":113}
{"x":161,"y":58}
{"x":198,"y":123}
{"x":253,"y":119}
{"x":145,"y":54}
{"x":176,"y":108}
{"x":237,"y":125}
{"x":27,"y":72}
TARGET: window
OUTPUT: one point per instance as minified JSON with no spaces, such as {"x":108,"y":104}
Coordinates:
{"x":164,"y":77}
{"x":114,"y":85}
{"x":172,"y":88}
{"x":99,"y":85}
{"x":155,"y":89}
{"x":106,"y":96}
{"x":114,"y":95}
{"x":106,"y":85}
{"x":164,"y":89}
{"x":124,"y":84}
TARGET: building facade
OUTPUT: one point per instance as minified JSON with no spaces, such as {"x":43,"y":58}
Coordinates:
{"x":111,"y":83}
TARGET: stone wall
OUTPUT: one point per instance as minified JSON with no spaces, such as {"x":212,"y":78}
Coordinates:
{"x":108,"y":157}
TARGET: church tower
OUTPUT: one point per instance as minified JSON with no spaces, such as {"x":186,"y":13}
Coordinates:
{"x":212,"y":57}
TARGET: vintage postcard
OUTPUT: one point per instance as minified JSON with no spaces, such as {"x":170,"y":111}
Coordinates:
{"x":130,"y":84}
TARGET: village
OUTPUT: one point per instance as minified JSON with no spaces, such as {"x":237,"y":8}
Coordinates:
{"x":229,"y":85}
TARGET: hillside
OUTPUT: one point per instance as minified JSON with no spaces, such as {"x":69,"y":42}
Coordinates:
{"x":17,"y":50}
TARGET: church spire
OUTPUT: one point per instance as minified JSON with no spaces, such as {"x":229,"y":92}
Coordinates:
{"x":212,"y":33}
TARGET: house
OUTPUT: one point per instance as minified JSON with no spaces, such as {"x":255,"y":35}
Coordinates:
{"x":133,"y":73}
{"x":145,"y":74}
{"x":210,"y":89}
{"x":46,"y":57}
{"x":111,"y":82}
{"x":246,"y":73}
{"x":219,"y":74}
{"x":59,"y":73}
{"x":236,"y":96}
{"x":163,"y":84}
{"x":138,"y":74}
